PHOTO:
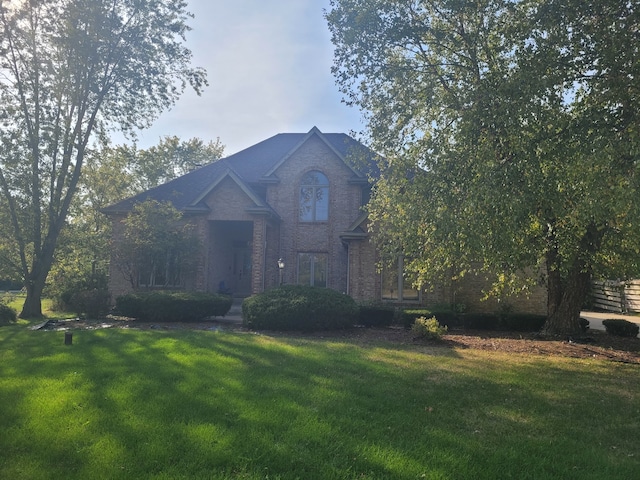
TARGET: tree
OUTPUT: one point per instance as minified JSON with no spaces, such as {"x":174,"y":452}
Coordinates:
{"x":511,"y":134}
{"x":172,"y":158}
{"x":112,"y":173}
{"x":158,"y":246}
{"x":70,"y":69}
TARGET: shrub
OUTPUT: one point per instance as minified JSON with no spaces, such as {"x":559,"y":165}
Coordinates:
{"x":584,"y":324}
{"x":481,"y":321}
{"x":522,"y":322}
{"x":621,"y":328}
{"x":94,"y":303}
{"x":428,"y":328}
{"x":170,"y":306}
{"x":376,"y":315}
{"x":447,"y":318}
{"x":298,"y":307}
{"x":7,"y":314}
{"x":63,"y":288}
{"x":408,"y":317}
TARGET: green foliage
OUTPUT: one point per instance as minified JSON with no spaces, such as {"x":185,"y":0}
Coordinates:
{"x":510,"y":137}
{"x":157,"y":246}
{"x":621,"y":327}
{"x":172,"y":306}
{"x":444,"y":316}
{"x":372,"y":315}
{"x":299,"y":307}
{"x":428,"y":328}
{"x":72,"y":69}
{"x":93,"y":303}
{"x":66,"y":282}
{"x":7,"y":314}
{"x":481,"y":321}
{"x":521,"y":322}
{"x":584,"y":324}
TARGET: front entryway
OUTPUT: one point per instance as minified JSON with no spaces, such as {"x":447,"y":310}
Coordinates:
{"x":230,"y":257}
{"x":242,"y":266}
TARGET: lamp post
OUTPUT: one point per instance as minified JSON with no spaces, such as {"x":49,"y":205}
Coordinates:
{"x":281,"y":268}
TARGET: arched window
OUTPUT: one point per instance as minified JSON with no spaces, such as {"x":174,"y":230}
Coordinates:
{"x":314,"y":197}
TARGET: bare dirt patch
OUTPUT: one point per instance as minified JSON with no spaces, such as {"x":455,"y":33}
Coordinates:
{"x":595,"y":344}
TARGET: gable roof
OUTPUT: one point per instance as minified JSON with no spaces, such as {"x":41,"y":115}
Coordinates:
{"x":250,"y":167}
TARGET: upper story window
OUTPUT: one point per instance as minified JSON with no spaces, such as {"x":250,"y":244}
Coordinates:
{"x":314,"y":197}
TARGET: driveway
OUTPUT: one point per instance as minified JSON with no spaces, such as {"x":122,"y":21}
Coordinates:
{"x":596,"y":318}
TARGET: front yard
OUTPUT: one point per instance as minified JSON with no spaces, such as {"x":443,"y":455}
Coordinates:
{"x":129,"y":403}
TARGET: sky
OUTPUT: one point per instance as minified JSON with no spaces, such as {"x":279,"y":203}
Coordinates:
{"x":269,"y":71}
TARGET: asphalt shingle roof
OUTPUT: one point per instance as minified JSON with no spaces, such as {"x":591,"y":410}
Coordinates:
{"x":250,"y":165}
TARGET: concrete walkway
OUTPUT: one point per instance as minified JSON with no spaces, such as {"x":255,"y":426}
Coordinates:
{"x":596,"y":318}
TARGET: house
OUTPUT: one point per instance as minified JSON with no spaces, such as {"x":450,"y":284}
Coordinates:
{"x":295,"y":198}
{"x":286,"y":210}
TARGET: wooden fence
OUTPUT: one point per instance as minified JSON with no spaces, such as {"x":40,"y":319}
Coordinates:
{"x":616,"y":296}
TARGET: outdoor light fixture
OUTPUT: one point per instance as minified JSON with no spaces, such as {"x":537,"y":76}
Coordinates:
{"x":281,"y":268}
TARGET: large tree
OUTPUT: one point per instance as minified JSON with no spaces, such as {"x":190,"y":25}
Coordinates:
{"x":70,"y":69}
{"x":511,"y":134}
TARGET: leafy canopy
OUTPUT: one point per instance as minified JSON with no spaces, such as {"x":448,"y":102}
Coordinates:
{"x":510,"y":131}
{"x":70,"y":70}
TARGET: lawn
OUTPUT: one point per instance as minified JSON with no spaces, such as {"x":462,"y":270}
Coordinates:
{"x":187,"y":404}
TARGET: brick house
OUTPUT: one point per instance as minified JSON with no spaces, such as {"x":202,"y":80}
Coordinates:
{"x":294,"y":197}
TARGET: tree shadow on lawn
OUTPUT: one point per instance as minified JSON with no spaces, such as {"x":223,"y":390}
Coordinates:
{"x":192,"y":402}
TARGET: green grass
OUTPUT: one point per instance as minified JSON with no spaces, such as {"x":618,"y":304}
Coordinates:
{"x":214,"y":405}
{"x":16,"y":300}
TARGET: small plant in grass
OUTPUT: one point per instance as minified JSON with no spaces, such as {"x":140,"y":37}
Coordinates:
{"x":428,"y":328}
{"x":7,"y":314}
{"x":621,"y":328}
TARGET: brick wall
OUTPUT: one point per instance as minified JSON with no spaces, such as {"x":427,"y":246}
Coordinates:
{"x":321,"y":237}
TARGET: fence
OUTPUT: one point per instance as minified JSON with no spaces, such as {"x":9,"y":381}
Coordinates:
{"x":616,"y":296}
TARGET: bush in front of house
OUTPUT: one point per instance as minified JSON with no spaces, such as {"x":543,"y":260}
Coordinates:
{"x":372,"y":315}
{"x":522,"y":322}
{"x":447,"y":318}
{"x":93,"y":303}
{"x":620,"y":327}
{"x":172,"y":306}
{"x":481,"y":321}
{"x":428,"y":328}
{"x":7,"y":314}
{"x":299,"y":307}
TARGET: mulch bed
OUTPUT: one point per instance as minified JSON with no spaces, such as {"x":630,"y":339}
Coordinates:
{"x":593,"y":345}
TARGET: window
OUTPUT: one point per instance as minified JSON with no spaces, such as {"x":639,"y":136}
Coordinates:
{"x":396,"y":284}
{"x":312,"y":269}
{"x":314,"y":197}
{"x":163,"y":273}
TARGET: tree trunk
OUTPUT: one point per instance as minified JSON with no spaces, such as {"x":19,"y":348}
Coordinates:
{"x":565,"y":300}
{"x":564,"y":318}
{"x":32,"y":307}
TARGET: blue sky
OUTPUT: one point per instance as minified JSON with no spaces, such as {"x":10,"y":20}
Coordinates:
{"x":268,"y":64}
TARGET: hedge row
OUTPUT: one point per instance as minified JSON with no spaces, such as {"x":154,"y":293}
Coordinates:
{"x":168,"y":306}
{"x":298,"y":307}
{"x":519,"y":322}
{"x":621,"y":328}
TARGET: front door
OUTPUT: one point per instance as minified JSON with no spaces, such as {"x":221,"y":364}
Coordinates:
{"x":241,"y":271}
